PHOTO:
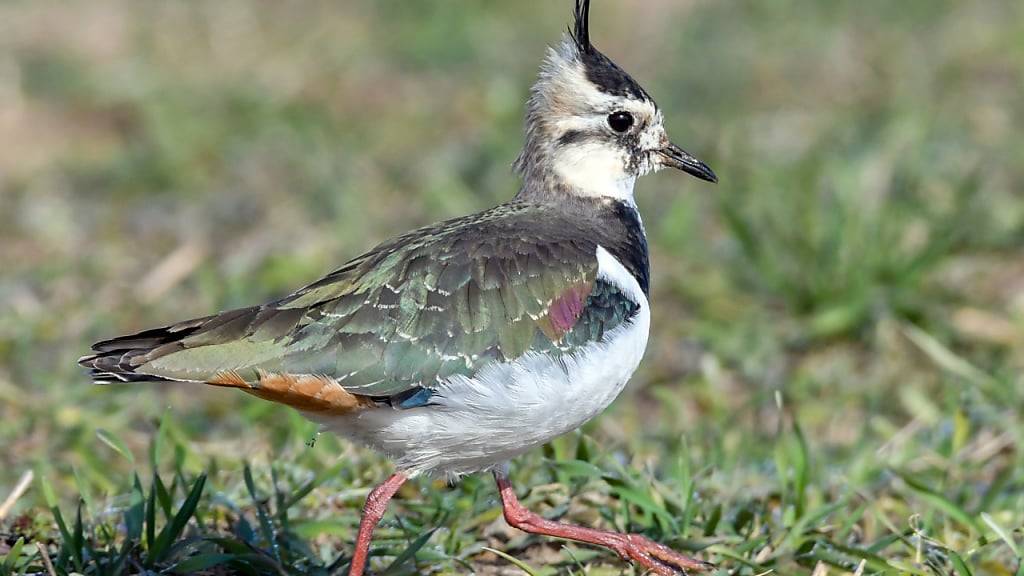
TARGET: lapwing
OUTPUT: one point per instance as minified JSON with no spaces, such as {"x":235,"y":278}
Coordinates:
{"x":454,"y":348}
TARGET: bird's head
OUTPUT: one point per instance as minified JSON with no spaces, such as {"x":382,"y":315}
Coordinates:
{"x":591,"y":130}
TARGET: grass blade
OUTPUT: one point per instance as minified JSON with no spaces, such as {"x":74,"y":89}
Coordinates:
{"x":202,"y":562}
{"x":513,"y":560}
{"x":116,"y":444}
{"x":10,"y":563}
{"x":266,"y":526}
{"x":941,"y":503}
{"x":162,"y":494}
{"x":135,"y":516}
{"x":958,"y":564}
{"x":1003,"y":533}
{"x":173,"y":529}
{"x":409,"y":552}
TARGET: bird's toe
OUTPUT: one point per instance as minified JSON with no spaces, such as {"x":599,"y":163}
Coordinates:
{"x":661,"y":559}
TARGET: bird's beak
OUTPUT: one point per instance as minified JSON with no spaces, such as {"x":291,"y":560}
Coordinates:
{"x":675,"y":157}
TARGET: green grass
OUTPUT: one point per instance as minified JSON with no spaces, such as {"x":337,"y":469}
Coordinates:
{"x":834,"y":382}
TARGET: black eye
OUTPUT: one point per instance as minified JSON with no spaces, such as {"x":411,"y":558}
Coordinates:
{"x":620,"y":121}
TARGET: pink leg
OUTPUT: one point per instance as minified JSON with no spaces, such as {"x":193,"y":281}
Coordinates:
{"x":658,"y":559}
{"x":373,"y":511}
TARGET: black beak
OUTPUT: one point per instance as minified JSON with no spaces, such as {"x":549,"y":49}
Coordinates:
{"x":675,"y":157}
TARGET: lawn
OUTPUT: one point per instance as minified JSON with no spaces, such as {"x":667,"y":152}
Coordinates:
{"x":835,"y":380}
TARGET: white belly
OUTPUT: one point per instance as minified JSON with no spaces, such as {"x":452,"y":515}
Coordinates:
{"x":506,"y":409}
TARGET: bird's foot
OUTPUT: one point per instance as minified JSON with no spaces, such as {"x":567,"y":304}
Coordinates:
{"x":657,"y":558}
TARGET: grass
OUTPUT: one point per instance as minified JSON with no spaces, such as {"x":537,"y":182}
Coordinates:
{"x":833,"y":384}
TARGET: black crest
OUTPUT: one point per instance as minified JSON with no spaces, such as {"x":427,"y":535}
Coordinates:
{"x":604,"y":73}
{"x":581,"y":28}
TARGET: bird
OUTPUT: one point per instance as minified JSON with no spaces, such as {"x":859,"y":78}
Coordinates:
{"x":454,"y":348}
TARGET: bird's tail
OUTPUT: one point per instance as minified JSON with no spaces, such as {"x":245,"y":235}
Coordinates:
{"x":117,"y":359}
{"x":132,"y":358}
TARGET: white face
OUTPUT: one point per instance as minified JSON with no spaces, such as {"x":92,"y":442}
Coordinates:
{"x":602,"y":142}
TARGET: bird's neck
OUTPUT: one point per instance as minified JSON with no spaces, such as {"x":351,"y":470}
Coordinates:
{"x":591,"y":185}
{"x":557,"y":188}
{"x":577,"y":173}
{"x":591,"y":176}
{"x":612,"y":223}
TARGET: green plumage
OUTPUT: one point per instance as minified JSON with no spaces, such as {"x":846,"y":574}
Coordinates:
{"x":436,"y":302}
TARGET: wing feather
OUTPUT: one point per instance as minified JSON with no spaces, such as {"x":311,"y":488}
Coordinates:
{"x":437,"y":302}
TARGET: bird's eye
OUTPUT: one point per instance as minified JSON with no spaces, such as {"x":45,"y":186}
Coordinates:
{"x":620,"y":121}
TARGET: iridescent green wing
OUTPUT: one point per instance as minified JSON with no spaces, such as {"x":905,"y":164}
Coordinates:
{"x":437,"y":302}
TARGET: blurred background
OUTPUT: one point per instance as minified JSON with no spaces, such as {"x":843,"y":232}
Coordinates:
{"x":835,"y":369}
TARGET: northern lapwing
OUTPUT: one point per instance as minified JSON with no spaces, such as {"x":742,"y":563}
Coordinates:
{"x":454,"y":348}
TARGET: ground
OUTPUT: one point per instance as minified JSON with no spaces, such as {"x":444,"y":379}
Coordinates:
{"x":834,"y":383}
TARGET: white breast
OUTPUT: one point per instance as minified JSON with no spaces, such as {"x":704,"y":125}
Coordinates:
{"x":509,"y":408}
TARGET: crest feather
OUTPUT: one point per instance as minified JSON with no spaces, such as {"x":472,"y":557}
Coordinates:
{"x":581,"y":28}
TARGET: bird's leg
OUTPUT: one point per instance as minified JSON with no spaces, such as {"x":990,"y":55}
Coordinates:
{"x":373,"y":511}
{"x":632,"y":547}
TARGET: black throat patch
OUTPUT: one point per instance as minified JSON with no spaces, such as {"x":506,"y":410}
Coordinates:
{"x":632,"y":252}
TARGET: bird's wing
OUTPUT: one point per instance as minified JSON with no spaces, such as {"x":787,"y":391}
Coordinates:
{"x":440,"y":301}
